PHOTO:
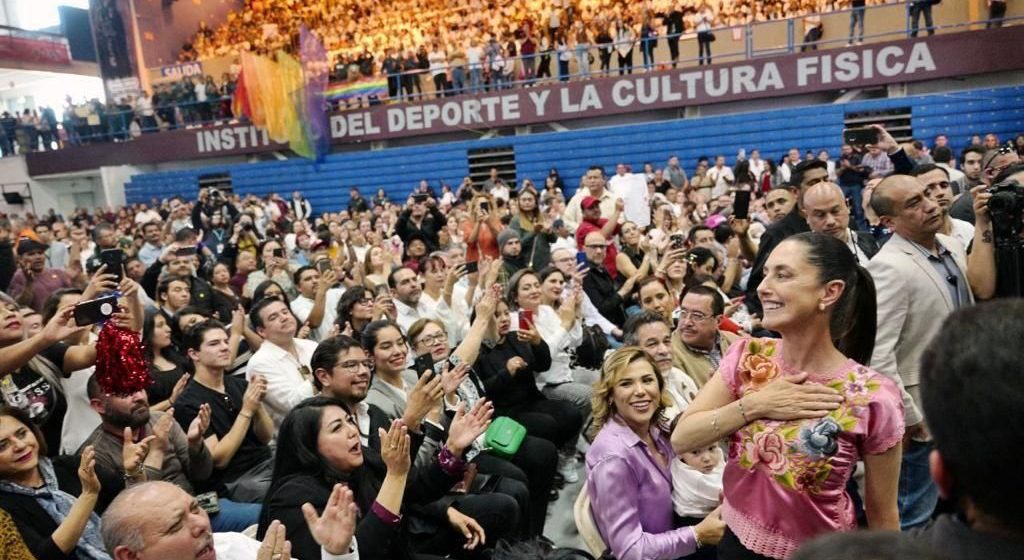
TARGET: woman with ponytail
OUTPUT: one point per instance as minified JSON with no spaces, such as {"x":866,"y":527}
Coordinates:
{"x":800,"y":412}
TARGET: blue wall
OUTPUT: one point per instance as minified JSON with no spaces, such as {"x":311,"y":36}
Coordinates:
{"x":958,"y":114}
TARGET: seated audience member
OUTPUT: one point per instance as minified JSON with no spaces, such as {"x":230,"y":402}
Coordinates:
{"x":282,"y":360}
{"x":272,"y":265}
{"x":172,"y":295}
{"x":36,"y":366}
{"x":135,"y":444}
{"x":359,"y":307}
{"x":167,"y":368}
{"x":317,"y":301}
{"x":160,"y":520}
{"x":628,"y":477}
{"x":650,"y":331}
{"x":799,"y":412}
{"x":40,"y":493}
{"x":654,"y":296}
{"x":240,"y":427}
{"x":510,"y":370}
{"x":320,"y":447}
{"x":565,"y":261}
{"x":12,"y":546}
{"x":698,"y":345}
{"x":609,"y":297}
{"x":173,"y":263}
{"x":510,"y":248}
{"x":535,"y":462}
{"x":405,"y":284}
{"x":971,"y":396}
{"x":563,"y":333}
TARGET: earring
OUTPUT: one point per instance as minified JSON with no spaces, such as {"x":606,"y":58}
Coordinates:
{"x":821,"y":306}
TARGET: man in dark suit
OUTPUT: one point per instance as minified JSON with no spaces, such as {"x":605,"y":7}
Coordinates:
{"x":827,"y":212}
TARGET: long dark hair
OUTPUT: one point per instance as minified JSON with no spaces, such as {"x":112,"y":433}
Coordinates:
{"x":170,"y":353}
{"x":348,"y":300}
{"x":853,"y":319}
{"x":297,"y":455}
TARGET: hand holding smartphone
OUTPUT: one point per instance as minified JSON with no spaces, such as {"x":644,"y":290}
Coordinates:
{"x":95,"y":310}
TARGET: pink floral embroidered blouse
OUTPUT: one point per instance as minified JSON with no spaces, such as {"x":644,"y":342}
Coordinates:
{"x":785,"y":482}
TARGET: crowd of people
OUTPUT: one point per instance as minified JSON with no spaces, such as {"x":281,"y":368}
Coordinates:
{"x":421,"y":379}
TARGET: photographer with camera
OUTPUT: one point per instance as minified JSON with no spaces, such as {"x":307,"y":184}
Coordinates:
{"x":211,"y":202}
{"x":998,"y":251}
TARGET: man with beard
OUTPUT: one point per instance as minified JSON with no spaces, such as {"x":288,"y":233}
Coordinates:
{"x":135,"y":445}
{"x":407,"y":289}
{"x":608,"y":227}
{"x":34,"y":282}
{"x":510,"y":246}
{"x":937,"y":187}
{"x":981,"y":170}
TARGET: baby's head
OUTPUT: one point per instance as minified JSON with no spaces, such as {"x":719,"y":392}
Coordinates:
{"x":704,"y":460}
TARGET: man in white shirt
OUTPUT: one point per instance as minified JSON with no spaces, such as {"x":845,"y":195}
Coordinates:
{"x":938,"y":187}
{"x":943,"y":157}
{"x":757,"y":165}
{"x":282,"y":359}
{"x":160,"y":520}
{"x":722,"y":176}
{"x":152,"y":234}
{"x":595,"y":185}
{"x":408,"y":289}
{"x":148,"y":215}
{"x":565,"y":261}
{"x":650,"y":331}
{"x":317,"y":302}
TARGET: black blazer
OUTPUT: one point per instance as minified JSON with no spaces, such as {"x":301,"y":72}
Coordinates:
{"x":512,"y":391}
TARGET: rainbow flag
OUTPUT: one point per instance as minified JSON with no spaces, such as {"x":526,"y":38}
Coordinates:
{"x":343,"y":91}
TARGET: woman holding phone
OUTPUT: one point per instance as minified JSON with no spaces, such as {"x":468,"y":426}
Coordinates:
{"x":482,"y":228}
{"x":273,"y":265}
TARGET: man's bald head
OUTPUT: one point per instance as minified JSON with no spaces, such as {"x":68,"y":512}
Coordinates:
{"x":900,"y":202}
{"x":155,"y":520}
{"x":826,"y":210}
{"x":885,"y":193}
{"x":596,"y":247}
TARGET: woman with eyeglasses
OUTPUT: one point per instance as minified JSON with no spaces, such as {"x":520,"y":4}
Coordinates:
{"x":320,"y":454}
{"x":800,"y":412}
{"x":357,"y":308}
{"x":535,"y":462}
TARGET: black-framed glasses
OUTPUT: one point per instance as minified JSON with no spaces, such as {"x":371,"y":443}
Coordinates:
{"x":433,"y":339}
{"x":352,"y":366}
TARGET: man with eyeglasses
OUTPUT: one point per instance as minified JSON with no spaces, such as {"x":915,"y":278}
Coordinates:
{"x":600,"y":285}
{"x":283,"y":360}
{"x":565,"y":261}
{"x":342,"y":370}
{"x":240,"y":428}
{"x":698,"y":345}
{"x":937,"y":187}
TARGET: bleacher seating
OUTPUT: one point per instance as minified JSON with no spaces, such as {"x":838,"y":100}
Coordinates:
{"x":398,"y":170}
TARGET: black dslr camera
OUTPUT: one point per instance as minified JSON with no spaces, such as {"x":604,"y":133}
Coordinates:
{"x":1007,"y":210}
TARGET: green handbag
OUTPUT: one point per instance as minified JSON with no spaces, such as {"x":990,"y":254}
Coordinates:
{"x":504,"y":436}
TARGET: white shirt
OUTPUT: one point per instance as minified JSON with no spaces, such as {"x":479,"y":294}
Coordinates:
{"x":723,"y":178}
{"x":236,"y":546}
{"x":560,"y":342}
{"x":80,"y":420}
{"x":757,"y":167}
{"x":302,"y":306}
{"x":682,"y":389}
{"x":962,"y":231}
{"x":286,"y":386}
{"x":147,"y":216}
{"x":473,"y":56}
{"x":409,"y":315}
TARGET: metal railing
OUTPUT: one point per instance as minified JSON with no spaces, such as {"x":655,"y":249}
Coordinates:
{"x":748,"y":42}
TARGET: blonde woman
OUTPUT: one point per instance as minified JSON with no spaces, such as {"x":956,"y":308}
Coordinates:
{"x":376,"y":267}
{"x":628,"y":477}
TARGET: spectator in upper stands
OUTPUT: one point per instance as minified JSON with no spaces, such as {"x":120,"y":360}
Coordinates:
{"x":282,"y":361}
{"x":970,"y":395}
{"x":856,"y":19}
{"x":917,"y":9}
{"x":240,"y":427}
{"x":996,"y":13}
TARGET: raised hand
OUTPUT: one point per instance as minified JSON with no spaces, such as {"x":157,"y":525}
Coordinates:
{"x":394,"y":448}
{"x":87,"y":472}
{"x":333,"y":530}
{"x":423,"y":397}
{"x":254,"y":394}
{"x":179,"y":388}
{"x":162,"y":428}
{"x":530,"y":335}
{"x":197,"y":429}
{"x":467,"y":426}
{"x":62,"y":325}
{"x":134,"y":454}
{"x":275,"y":545}
{"x":450,"y":380}
{"x":467,"y":527}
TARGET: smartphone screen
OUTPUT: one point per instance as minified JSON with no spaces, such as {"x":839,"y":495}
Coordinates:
{"x":677,"y":241}
{"x":381,"y":290}
{"x":513,"y":321}
{"x":424,"y":365}
{"x":741,"y":205}
{"x":485,"y":206}
{"x":185,"y":251}
{"x":581,"y":258}
{"x":472,"y":267}
{"x":323,"y":265}
{"x":95,"y":310}
{"x":114,"y":259}
{"x":525,"y":320}
{"x":279,"y":253}
{"x":860,"y":136}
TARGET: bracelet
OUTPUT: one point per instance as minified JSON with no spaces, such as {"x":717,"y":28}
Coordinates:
{"x":247,"y":417}
{"x":696,"y":539}
{"x":138,"y":472}
{"x":743,"y":413}
{"x":714,"y":424}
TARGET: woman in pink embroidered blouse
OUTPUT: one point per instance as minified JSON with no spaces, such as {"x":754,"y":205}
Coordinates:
{"x":801,"y":411}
